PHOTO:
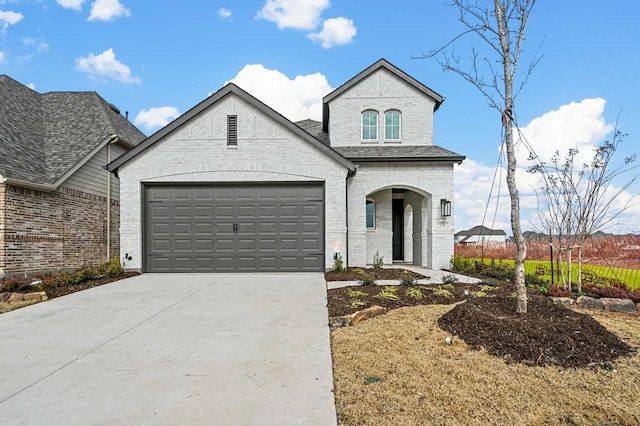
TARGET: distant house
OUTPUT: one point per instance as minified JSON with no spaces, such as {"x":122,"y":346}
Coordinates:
{"x":480,"y":235}
{"x":54,"y":212}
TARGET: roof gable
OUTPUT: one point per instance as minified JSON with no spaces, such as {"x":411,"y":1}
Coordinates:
{"x":228,"y":89}
{"x":44,"y":136}
{"x":380,"y":64}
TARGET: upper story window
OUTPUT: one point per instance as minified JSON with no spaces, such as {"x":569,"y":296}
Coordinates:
{"x":369,"y":125}
{"x":392,"y":125}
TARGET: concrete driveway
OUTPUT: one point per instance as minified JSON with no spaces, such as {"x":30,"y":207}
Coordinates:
{"x":206,"y":349}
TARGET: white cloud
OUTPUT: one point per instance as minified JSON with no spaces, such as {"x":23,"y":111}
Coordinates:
{"x":335,"y":32}
{"x":106,"y":10}
{"x":297,"y":99}
{"x":578,"y":125}
{"x":224,"y":13}
{"x":3,"y":57}
{"x":31,"y":86}
{"x":41,"y":46}
{"x":71,"y":4}
{"x":9,"y":18}
{"x":156,"y":117}
{"x":300,"y":14}
{"x":105,"y":66}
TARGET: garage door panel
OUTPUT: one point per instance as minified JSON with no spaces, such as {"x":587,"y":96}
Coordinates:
{"x":236,"y":227}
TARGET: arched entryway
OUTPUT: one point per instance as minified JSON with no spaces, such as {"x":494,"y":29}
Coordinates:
{"x":399,"y":225}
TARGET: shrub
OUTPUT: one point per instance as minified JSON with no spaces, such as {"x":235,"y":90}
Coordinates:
{"x":461,"y":264}
{"x":442,"y":292}
{"x":406,"y":278}
{"x":388,"y":293}
{"x":356,"y":293}
{"x":378,"y":261}
{"x":338,"y":263}
{"x":556,"y":291}
{"x":111,"y":268}
{"x":356,"y":304}
{"x":14,"y":284}
{"x":364,"y":278}
{"x":414,"y":293}
{"x":534,"y":280}
{"x":449,"y":279}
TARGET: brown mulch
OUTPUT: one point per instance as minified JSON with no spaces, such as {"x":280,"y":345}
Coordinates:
{"x":377,"y":273}
{"x":340,"y":302}
{"x":548,"y":334}
{"x":54,"y":292}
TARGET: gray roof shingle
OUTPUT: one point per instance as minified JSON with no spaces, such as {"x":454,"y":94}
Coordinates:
{"x":480,"y":230}
{"x":431,"y":153}
{"x":42,"y":136}
{"x":314,"y":128}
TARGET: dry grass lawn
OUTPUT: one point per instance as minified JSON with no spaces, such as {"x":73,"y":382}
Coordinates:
{"x":6,"y":307}
{"x":424,"y":381}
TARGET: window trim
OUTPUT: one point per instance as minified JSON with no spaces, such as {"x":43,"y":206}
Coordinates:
{"x":366,"y":215}
{"x":386,"y":139}
{"x":377,"y":126}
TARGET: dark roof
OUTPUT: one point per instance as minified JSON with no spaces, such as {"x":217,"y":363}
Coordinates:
{"x":428,"y":153}
{"x":42,"y":136}
{"x":480,"y":230}
{"x":314,"y":128}
{"x":381,"y":63}
{"x":211,"y":100}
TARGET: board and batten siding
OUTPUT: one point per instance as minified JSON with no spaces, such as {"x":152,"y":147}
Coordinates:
{"x":91,"y":178}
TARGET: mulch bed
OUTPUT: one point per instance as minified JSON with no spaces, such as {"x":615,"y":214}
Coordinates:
{"x":340,"y":303}
{"x":548,"y":334}
{"x":54,"y":292}
{"x":377,"y":273}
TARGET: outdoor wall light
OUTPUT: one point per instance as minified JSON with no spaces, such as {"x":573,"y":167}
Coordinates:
{"x":445,"y":207}
{"x":336,"y":255}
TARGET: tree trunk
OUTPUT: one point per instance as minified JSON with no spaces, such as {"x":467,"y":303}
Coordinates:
{"x":507,"y":122}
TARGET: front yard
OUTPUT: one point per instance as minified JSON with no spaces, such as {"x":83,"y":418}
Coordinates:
{"x":553,"y":365}
{"x":397,"y":369}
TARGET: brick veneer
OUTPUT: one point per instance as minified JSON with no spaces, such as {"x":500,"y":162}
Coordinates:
{"x":49,"y":231}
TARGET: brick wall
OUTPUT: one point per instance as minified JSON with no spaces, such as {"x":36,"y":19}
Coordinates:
{"x":48,"y":231}
{"x":2,"y":244}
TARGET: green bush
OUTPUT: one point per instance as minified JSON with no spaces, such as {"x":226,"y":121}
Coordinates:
{"x":449,"y":279}
{"x":364,"y":278}
{"x":338,"y":263}
{"x":462,"y":264}
{"x":111,"y":268}
{"x":407,"y":279}
{"x":378,"y":261}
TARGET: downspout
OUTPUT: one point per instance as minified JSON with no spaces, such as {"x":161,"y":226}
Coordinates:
{"x":108,"y":202}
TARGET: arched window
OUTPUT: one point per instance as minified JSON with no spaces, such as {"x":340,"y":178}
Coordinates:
{"x":392,"y":125}
{"x":371,"y":214}
{"x":369,"y":125}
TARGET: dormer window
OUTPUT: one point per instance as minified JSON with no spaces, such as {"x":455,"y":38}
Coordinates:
{"x":392,"y":124}
{"x":370,"y":125}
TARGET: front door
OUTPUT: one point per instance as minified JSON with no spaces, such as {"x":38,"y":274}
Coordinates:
{"x":397,"y":218}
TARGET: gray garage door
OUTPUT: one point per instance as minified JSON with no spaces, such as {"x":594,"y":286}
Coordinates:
{"x":234,"y":228}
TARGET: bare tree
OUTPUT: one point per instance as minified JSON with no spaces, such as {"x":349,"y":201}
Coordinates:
{"x":501,"y":28}
{"x":580,"y":199}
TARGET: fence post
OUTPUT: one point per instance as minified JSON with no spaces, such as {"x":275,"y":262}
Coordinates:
{"x":551,"y":260}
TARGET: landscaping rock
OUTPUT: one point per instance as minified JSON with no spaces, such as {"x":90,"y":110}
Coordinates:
{"x":4,"y":297}
{"x":586,"y":302}
{"x":338,"y":322}
{"x":39,"y":295}
{"x":618,"y":305}
{"x":15,"y":297}
{"x":638,"y":306}
{"x":565,"y":301}
{"x":365,"y":314}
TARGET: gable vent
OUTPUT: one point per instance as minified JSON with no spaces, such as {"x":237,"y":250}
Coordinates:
{"x":232,"y":130}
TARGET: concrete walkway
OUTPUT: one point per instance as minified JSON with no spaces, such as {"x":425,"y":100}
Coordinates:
{"x":238,"y":349}
{"x":434,"y":276}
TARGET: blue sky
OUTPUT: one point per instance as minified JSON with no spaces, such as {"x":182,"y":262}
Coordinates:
{"x":158,"y":61}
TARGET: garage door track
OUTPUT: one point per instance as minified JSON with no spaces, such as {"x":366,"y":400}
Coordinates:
{"x":235,"y":349}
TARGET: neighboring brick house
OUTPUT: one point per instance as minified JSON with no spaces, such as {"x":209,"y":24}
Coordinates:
{"x":232,"y":185}
{"x":53,"y":185}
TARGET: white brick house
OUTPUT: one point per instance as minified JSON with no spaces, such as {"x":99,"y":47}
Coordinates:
{"x":232,"y":185}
